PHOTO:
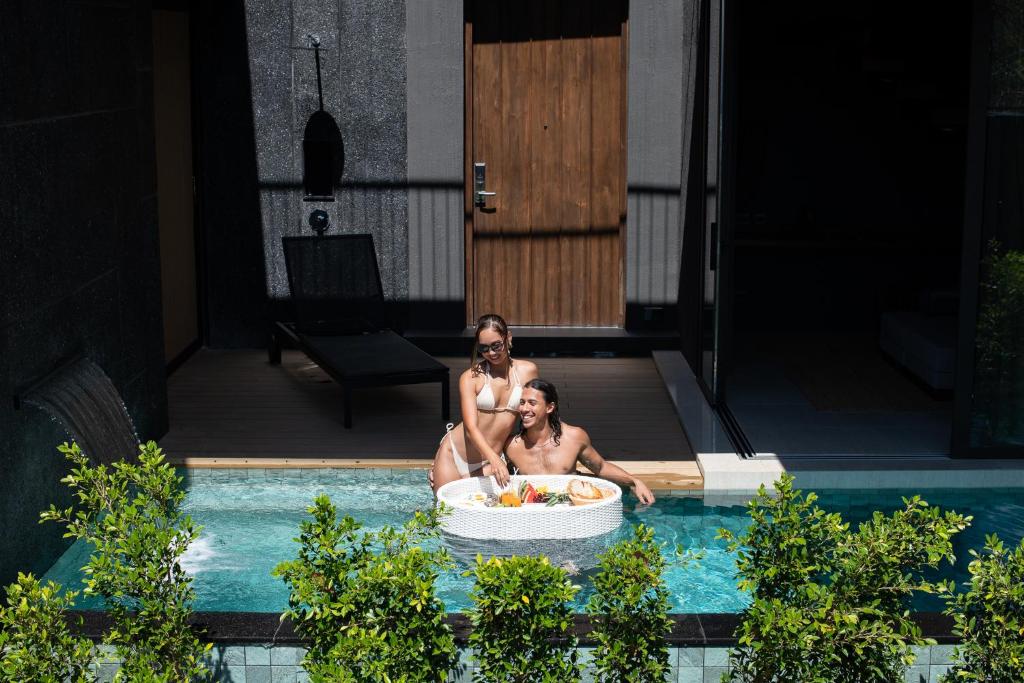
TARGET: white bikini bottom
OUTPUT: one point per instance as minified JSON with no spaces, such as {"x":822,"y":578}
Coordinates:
{"x":461,"y":464}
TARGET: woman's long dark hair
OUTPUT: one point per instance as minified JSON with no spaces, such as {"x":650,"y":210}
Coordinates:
{"x":490,"y":321}
{"x":550,"y":396}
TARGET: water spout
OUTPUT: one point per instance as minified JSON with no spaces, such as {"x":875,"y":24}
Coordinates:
{"x":85,"y":402}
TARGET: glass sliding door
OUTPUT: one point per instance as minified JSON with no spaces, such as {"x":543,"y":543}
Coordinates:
{"x":705,"y":284}
{"x":708,"y":223}
{"x":989,"y":418}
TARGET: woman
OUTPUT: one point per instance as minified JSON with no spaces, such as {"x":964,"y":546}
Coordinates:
{"x":490,"y":391}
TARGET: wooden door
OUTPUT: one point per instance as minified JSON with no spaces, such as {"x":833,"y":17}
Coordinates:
{"x":546,"y":113}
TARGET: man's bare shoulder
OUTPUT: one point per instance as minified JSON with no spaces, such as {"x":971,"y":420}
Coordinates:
{"x":574,"y":434}
{"x":514,"y":443}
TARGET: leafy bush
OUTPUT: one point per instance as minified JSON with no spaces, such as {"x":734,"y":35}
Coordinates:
{"x":830,"y":604}
{"x":131,"y":514}
{"x":366,"y":601}
{"x":989,"y":617}
{"x":35,"y":641}
{"x":629,"y":611}
{"x":522,"y":621}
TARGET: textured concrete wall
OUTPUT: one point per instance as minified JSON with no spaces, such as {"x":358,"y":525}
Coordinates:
{"x":362,"y":58}
{"x":79,"y":266}
{"x":435,"y":150}
{"x":655,"y":148}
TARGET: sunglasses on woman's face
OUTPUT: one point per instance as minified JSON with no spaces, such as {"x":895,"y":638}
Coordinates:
{"x":496,"y":347}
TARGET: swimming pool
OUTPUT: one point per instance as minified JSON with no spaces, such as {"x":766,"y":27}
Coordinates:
{"x":250,"y":518}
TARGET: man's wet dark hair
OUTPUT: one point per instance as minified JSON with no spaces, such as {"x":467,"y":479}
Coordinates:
{"x":550,"y":396}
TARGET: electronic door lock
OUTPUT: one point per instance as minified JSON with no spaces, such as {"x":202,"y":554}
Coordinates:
{"x":480,"y":193}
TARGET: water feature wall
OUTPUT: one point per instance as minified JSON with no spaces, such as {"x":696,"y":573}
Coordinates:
{"x":79,"y":259}
{"x":85,"y":402}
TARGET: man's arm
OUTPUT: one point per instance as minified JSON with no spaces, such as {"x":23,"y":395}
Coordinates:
{"x":589,"y":457}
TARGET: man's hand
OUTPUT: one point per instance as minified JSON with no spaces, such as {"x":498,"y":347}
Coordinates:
{"x":642,"y":492}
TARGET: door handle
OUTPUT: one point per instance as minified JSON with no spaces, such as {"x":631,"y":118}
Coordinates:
{"x":480,"y":194}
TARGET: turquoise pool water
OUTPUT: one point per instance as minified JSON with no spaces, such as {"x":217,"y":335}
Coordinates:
{"x":250,"y":517}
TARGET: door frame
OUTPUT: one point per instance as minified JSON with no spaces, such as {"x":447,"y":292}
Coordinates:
{"x":467,"y":197}
{"x":189,"y":8}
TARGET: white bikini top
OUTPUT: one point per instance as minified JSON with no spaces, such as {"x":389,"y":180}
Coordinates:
{"x":485,"y":401}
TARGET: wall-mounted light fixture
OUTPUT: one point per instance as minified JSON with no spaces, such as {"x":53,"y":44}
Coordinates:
{"x":323,"y":152}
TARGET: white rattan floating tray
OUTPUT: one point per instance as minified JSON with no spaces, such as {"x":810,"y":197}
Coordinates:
{"x":531,"y":521}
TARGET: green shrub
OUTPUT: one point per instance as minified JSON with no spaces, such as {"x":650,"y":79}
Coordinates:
{"x":999,"y":381}
{"x":35,"y":641}
{"x":522,"y":621}
{"x":366,"y":601}
{"x":131,"y":514}
{"x":830,"y":604}
{"x":990,"y":617}
{"x":629,"y":611}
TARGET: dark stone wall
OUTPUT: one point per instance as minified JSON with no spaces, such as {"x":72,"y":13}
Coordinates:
{"x":79,"y":262}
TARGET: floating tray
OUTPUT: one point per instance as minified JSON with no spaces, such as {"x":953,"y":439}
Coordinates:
{"x":532,"y":521}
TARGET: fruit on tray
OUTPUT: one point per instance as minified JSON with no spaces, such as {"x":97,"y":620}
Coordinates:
{"x":578,"y":492}
{"x":511,"y":500}
{"x":528,"y":494}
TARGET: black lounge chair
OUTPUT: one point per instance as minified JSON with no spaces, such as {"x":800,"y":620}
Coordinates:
{"x":338,"y":298}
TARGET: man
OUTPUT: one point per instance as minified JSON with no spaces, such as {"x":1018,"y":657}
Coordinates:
{"x":546,"y":445}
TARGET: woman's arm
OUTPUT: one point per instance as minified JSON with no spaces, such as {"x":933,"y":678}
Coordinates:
{"x":467,"y":400}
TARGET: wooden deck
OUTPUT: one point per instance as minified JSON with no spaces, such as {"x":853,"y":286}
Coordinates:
{"x":233,"y":409}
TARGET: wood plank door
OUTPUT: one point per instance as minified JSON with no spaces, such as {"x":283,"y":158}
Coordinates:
{"x":546,"y":114}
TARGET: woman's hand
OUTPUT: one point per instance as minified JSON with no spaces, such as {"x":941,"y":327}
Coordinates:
{"x":499,"y":470}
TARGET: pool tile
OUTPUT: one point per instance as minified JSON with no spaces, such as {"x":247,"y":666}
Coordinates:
{"x":257,"y":655}
{"x":328,"y":474}
{"x":231,"y":674}
{"x":937,"y":671}
{"x":227,"y":655}
{"x":921,"y":654}
{"x":690,"y":674}
{"x":256,"y":475}
{"x":105,"y":672}
{"x":257,"y":674}
{"x":283,"y":655}
{"x":691,"y":657}
{"x":105,"y":654}
{"x":282,"y":674}
{"x":716,"y":656}
{"x":916,"y":674}
{"x":942,"y":654}
{"x":197,"y":474}
{"x":713,"y":674}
